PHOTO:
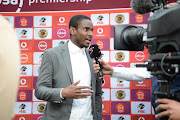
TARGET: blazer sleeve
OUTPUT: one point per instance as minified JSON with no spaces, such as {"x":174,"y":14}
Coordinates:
{"x":44,"y":90}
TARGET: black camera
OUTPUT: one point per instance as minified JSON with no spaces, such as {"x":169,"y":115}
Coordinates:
{"x":162,"y":39}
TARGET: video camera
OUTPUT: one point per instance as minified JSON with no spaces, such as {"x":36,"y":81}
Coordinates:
{"x":162,"y":39}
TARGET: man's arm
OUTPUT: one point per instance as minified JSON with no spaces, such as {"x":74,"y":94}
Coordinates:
{"x":170,"y":108}
{"x":129,"y":74}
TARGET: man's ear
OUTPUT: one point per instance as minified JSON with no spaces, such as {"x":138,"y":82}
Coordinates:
{"x":72,"y":30}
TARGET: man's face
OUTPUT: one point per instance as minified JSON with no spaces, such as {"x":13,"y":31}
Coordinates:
{"x":83,"y":34}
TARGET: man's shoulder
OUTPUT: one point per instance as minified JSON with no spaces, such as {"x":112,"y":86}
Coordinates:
{"x":56,"y":49}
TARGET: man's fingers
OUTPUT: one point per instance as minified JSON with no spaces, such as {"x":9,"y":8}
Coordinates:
{"x":163,"y":101}
{"x":161,"y":107}
{"x":76,"y":83}
{"x":83,"y":87}
{"x":162,"y":114}
{"x":84,"y":91}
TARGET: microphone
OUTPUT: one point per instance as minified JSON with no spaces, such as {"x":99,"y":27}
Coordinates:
{"x":142,"y":6}
{"x":95,"y":53}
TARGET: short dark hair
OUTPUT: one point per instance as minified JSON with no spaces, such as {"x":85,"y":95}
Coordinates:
{"x":75,"y":20}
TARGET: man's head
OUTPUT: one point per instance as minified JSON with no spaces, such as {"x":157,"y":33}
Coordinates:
{"x":81,"y":30}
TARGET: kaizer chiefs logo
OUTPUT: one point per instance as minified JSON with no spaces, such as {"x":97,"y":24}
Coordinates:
{"x":41,"y":107}
{"x":119,"y":18}
{"x":120,"y":94}
{"x":119,"y":56}
{"x":42,"y":33}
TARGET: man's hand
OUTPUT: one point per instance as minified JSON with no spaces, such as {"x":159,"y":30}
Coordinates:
{"x":74,"y":91}
{"x":106,"y":68}
{"x":170,"y":108}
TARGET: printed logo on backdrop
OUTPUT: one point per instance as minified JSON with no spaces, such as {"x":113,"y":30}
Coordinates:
{"x":100,"y":19}
{"x":61,"y":21}
{"x":120,"y":94}
{"x":140,"y":107}
{"x":23,"y":21}
{"x":141,"y":117}
{"x":106,"y":95}
{"x":61,"y":33}
{"x":118,"y":83}
{"x":24,"y":33}
{"x":142,"y":84}
{"x":120,"y":117}
{"x":26,"y":45}
{"x":42,"y":33}
{"x":23,"y":108}
{"x":103,"y":43}
{"x":119,"y":56}
{"x":100,"y":43}
{"x":119,"y":18}
{"x":120,"y":107}
{"x":25,"y":70}
{"x":139,"y":56}
{"x":10,"y":20}
{"x":24,"y":95}
{"x":41,"y":45}
{"x":58,"y":42}
{"x":39,"y":107}
{"x":42,"y":21}
{"x":139,"y":95}
{"x":22,"y":118}
{"x":138,"y":18}
{"x":25,"y":83}
{"x":101,"y":32}
{"x":24,"y":58}
{"x":45,"y":33}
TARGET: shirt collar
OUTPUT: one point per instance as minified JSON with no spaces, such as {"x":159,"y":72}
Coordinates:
{"x":75,"y":49}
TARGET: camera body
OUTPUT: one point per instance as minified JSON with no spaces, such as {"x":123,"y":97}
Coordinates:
{"x":162,"y":39}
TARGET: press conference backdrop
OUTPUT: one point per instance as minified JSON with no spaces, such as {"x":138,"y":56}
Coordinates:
{"x":41,"y":26}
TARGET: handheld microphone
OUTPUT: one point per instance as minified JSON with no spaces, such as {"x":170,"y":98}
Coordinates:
{"x":142,"y":6}
{"x":95,"y":53}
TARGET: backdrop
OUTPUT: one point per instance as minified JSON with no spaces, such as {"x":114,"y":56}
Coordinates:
{"x":43,"y":24}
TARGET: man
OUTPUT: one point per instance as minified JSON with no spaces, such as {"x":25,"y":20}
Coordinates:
{"x":171,"y":107}
{"x":66,"y":79}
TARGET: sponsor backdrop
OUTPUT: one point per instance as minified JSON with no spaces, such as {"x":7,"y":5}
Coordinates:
{"x":39,"y":31}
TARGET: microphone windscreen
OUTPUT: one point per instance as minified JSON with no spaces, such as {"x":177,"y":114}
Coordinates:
{"x":142,"y":6}
{"x":94,"y":51}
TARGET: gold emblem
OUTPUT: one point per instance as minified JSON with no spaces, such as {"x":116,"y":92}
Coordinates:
{"x":119,"y":18}
{"x":119,"y":56}
{"x":42,"y":33}
{"x":120,"y":94}
{"x":41,"y":107}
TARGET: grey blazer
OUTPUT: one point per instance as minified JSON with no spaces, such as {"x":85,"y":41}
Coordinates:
{"x":55,"y":74}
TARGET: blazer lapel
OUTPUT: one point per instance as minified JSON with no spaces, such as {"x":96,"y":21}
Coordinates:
{"x":93,"y":81}
{"x":67,"y":61}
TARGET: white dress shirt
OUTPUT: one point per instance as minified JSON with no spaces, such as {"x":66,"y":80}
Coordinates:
{"x":131,"y":74}
{"x":81,"y":108}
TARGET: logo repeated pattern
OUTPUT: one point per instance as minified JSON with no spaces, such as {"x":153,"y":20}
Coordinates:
{"x":122,"y":100}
